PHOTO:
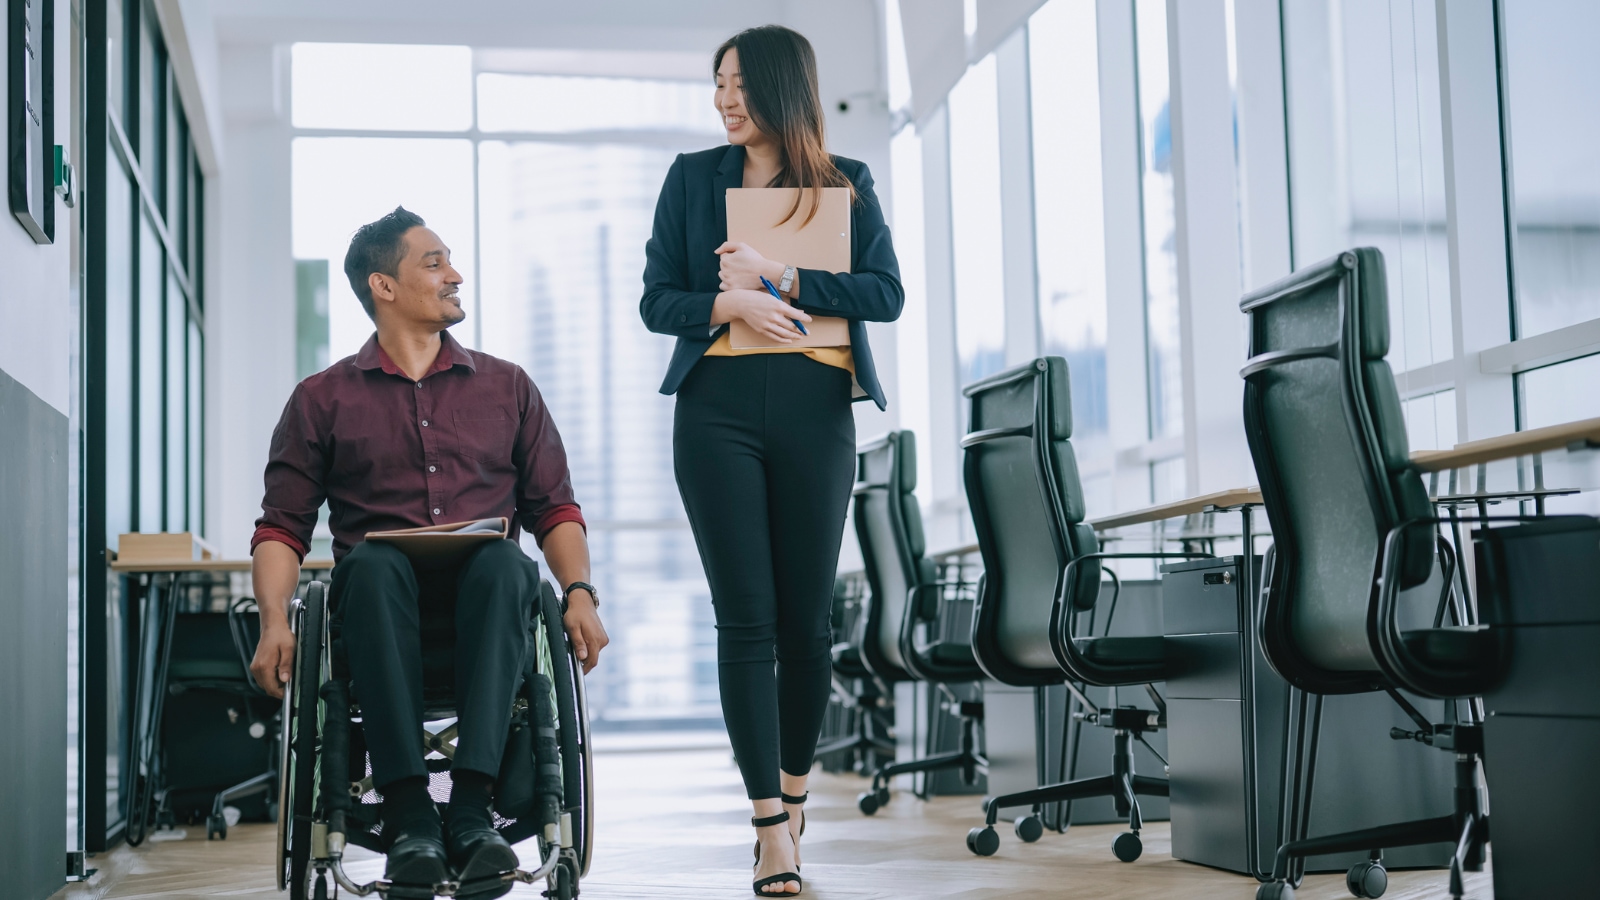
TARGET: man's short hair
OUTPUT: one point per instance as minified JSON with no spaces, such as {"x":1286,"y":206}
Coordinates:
{"x":378,"y":247}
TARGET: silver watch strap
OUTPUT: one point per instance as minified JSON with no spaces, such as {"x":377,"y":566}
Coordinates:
{"x":787,"y":281}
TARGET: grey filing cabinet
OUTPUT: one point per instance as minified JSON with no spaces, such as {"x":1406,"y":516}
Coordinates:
{"x":1540,"y":583}
{"x":1226,"y":712}
{"x":1225,"y":718}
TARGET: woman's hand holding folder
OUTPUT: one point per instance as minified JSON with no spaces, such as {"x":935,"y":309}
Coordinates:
{"x":743,"y":267}
{"x":769,"y":316}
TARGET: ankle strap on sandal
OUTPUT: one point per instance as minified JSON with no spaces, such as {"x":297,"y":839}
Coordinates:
{"x":792,"y":800}
{"x":778,"y":819}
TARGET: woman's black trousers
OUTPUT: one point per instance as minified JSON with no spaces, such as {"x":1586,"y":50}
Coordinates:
{"x":764,"y":450}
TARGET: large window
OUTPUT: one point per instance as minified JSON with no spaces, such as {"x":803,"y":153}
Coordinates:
{"x":975,"y":222}
{"x":546,"y":200}
{"x":1069,"y":222}
{"x":1162,"y":333}
{"x":1552,"y":77}
{"x":1366,"y":155}
{"x":147,"y":304}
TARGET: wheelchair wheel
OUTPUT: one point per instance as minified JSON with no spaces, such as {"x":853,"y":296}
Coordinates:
{"x":572,"y":715}
{"x":298,"y":746}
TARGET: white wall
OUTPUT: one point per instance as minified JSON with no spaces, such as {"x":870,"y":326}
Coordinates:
{"x":38,"y":338}
{"x":251,"y":316}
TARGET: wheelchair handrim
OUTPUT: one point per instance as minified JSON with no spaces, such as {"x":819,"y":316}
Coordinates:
{"x":587,"y":851}
{"x":284,"y":735}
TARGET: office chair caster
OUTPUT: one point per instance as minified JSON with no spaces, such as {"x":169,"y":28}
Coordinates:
{"x":1127,"y":846}
{"x":871,"y":801}
{"x":216,"y":828}
{"x":1275,"y":890}
{"x":1029,"y":828}
{"x":1367,"y":879}
{"x":983,"y":841}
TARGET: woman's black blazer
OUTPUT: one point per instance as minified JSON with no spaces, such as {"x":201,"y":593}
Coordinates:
{"x":681,"y":265}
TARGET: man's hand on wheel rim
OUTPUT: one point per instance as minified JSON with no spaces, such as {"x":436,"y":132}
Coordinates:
{"x":274,"y":659}
{"x":584,"y":630}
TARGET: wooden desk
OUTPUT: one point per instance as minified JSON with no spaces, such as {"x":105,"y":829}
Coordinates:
{"x":1508,"y":446}
{"x":1233,"y":498}
{"x":202,"y":565}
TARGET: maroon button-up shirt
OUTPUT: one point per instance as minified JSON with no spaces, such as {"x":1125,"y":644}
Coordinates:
{"x":471,"y":440}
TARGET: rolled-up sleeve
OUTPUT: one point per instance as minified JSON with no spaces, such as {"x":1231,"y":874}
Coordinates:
{"x":296,"y":470}
{"x":544,"y":484}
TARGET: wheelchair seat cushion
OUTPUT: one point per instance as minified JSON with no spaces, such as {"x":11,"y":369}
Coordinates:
{"x":1451,"y":648}
{"x":1124,"y":651}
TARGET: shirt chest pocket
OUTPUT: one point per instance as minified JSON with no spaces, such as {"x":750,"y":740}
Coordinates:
{"x":483,"y":434}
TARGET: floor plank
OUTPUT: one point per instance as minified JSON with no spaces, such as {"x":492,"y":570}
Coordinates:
{"x":675,"y":825}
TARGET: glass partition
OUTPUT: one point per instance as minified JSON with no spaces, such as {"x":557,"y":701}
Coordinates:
{"x":1163,"y":354}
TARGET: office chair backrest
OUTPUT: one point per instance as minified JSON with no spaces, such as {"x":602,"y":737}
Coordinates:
{"x":1326,"y":433}
{"x":889,"y":527}
{"x":1027,"y":507}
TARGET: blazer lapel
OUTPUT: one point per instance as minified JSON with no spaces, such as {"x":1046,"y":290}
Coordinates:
{"x":730,"y":174}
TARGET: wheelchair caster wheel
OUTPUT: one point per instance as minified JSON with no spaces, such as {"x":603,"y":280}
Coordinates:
{"x":216,"y":828}
{"x":867,"y":802}
{"x":983,"y":841}
{"x":1367,"y":879}
{"x":1127,"y":846}
{"x":563,"y":882}
{"x":1029,"y":829}
{"x":319,"y":888}
{"x":1275,"y":890}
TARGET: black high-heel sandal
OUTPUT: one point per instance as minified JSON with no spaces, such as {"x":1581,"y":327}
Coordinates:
{"x":792,"y":800}
{"x":781,"y":877}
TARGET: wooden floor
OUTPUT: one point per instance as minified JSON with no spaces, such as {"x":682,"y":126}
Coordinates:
{"x":675,"y":825}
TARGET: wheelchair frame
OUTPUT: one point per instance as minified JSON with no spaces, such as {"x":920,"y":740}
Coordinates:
{"x":313,"y":803}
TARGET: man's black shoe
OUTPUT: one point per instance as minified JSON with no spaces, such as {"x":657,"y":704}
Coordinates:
{"x":417,"y":857}
{"x":478,"y":852}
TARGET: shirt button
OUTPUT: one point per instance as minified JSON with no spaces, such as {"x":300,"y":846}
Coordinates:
{"x":419,"y":385}
{"x":836,"y":301}
{"x":433,"y":468}
{"x":682,"y":319}
{"x":436,"y":511}
{"x":424,"y":423}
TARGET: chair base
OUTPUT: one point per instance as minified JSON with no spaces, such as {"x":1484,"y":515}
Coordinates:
{"x":1123,"y":786}
{"x":1468,"y":827}
{"x":967,"y":759}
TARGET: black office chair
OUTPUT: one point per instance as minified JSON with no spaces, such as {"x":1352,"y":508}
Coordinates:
{"x":858,"y":730}
{"x":1041,"y":570}
{"x":1352,"y":527}
{"x":905,"y":637}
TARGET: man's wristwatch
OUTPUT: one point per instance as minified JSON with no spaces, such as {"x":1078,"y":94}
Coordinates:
{"x":787,"y":281}
{"x":579,"y":586}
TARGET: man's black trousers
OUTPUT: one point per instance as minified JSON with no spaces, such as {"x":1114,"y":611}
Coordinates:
{"x":468,"y":624}
{"x":764,"y":450}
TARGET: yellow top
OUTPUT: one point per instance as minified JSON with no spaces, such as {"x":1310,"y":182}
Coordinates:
{"x":829,"y":356}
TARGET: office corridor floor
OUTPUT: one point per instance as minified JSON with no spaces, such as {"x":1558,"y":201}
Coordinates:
{"x":674,"y":825}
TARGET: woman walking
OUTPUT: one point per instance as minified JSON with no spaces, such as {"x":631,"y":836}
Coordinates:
{"x":764,"y":440}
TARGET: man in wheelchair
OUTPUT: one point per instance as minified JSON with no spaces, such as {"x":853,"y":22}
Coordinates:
{"x":415,"y":430}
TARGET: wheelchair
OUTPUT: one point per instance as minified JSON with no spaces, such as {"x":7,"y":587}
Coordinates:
{"x":327,"y":800}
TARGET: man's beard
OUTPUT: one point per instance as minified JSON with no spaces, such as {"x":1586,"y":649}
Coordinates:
{"x":453,"y":312}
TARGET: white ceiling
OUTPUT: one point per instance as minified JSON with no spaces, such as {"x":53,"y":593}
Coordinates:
{"x":691,"y":26}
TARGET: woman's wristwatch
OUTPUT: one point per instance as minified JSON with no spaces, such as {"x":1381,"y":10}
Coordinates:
{"x":579,"y":586}
{"x":787,"y":281}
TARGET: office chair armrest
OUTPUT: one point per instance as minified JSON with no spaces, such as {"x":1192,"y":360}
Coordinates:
{"x":1396,"y":661}
{"x":1064,"y":618}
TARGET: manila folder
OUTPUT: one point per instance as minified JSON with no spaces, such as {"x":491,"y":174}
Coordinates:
{"x":754,"y":216}
{"x":437,"y":546}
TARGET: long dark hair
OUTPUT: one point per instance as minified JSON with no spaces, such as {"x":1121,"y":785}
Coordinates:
{"x":779,"y":72}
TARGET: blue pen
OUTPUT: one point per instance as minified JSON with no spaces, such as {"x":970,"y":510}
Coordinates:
{"x":774,"y":292}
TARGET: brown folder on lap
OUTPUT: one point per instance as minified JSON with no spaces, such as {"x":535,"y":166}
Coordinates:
{"x":824,"y":243}
{"x":437,"y":546}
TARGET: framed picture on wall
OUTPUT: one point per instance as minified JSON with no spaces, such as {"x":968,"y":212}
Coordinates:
{"x":30,"y":114}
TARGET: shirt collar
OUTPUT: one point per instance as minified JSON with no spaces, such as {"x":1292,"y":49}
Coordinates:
{"x":451,"y":353}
